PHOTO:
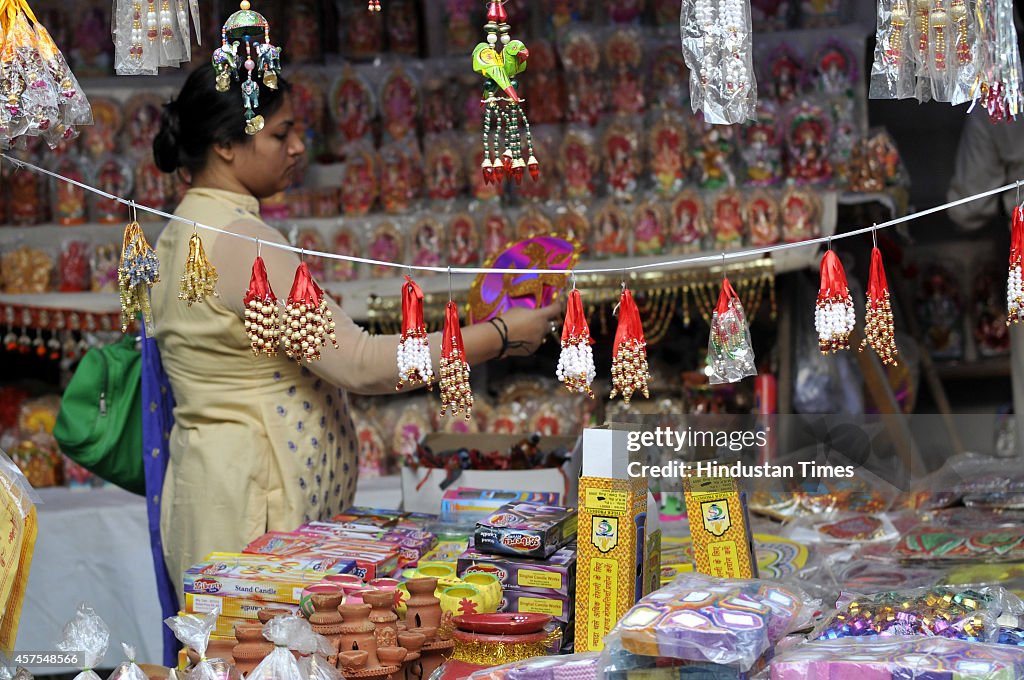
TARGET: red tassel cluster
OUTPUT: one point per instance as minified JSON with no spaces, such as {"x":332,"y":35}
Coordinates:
{"x":576,"y":361}
{"x":456,"y":393}
{"x":630,"y":374}
{"x":1014,"y":285}
{"x":834,"y":315}
{"x":307,"y":320}
{"x":261,"y":312}
{"x":414,"y":363}
{"x":878,"y":327}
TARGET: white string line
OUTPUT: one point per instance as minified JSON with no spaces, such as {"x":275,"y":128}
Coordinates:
{"x":720,"y":257}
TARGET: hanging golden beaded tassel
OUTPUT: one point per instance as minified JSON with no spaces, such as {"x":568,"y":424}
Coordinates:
{"x":878,"y":328}
{"x":138,"y":271}
{"x":630,"y":374}
{"x":307,"y":322}
{"x":456,"y":393}
{"x":200,"y":278}
{"x":261,"y":312}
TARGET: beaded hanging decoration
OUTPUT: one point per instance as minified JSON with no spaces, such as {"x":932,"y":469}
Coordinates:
{"x":730,"y":355}
{"x":138,"y":271}
{"x":1014,"y":285}
{"x":503,"y":110}
{"x":576,"y":362}
{"x":456,"y":394}
{"x":373,"y":5}
{"x":630,"y":374}
{"x":261,"y":312}
{"x":307,"y":323}
{"x":834,"y":315}
{"x":247,"y":26}
{"x":878,"y":327}
{"x":414,"y":363}
{"x":199,"y":280}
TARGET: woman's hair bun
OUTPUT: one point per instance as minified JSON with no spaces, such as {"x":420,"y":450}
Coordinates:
{"x":166,"y":149}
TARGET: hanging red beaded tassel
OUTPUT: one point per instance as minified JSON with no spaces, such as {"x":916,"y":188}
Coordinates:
{"x":1014,"y":286}
{"x":261,"y":312}
{"x":834,"y":316}
{"x":307,"y":321}
{"x":878,"y":327}
{"x":629,"y":361}
{"x":576,"y":362}
{"x":456,"y":393}
{"x":414,"y":363}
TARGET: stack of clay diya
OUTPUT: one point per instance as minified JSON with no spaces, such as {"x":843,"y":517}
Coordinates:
{"x":372,"y":643}
{"x":252,"y":646}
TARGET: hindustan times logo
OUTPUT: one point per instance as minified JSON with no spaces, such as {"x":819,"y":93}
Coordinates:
{"x":677,"y":440}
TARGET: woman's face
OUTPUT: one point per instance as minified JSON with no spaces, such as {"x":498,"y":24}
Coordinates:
{"x":267,"y":163}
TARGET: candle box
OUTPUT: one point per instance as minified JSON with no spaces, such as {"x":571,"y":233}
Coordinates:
{"x":446,"y":552}
{"x":266,"y":577}
{"x":560,"y":607}
{"x":526,"y":530}
{"x":612,"y":540}
{"x":372,"y":559}
{"x":231,"y":607}
{"x":719,"y":527}
{"x":466,"y":503}
{"x":555,"y":576}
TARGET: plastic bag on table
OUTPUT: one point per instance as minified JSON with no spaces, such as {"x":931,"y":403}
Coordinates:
{"x":718,"y":53}
{"x":961,"y":613}
{"x":703,"y":619}
{"x":18,"y":517}
{"x":88,"y":634}
{"x":287,"y":633}
{"x":128,"y":670}
{"x":581,"y":666}
{"x":730,"y":355}
{"x":194,"y":631}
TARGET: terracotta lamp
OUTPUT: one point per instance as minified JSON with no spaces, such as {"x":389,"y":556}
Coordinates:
{"x":252,"y":647}
{"x":358,"y":633}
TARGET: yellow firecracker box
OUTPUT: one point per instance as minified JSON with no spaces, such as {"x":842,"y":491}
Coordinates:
{"x":612,"y":543}
{"x":719,"y":527}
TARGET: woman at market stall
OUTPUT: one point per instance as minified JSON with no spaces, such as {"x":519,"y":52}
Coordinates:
{"x":260,"y":444}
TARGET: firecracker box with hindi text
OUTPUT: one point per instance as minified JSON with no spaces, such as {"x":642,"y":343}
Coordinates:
{"x":612,"y":539}
{"x":723,"y":546}
{"x":526,"y":530}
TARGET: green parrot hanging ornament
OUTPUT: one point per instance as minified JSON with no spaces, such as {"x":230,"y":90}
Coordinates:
{"x":502,"y":105}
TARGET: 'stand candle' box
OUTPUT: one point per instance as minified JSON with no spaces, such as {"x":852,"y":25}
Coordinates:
{"x":720,"y":527}
{"x":611,"y":544}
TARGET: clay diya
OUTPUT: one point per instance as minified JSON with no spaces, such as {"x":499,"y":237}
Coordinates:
{"x":252,"y":647}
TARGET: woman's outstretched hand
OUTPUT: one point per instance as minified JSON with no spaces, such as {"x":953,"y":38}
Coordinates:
{"x":529,"y":328}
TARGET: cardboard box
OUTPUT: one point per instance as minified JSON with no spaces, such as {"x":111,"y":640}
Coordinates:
{"x":555,"y":575}
{"x":370,"y":559}
{"x":231,"y":607}
{"x":612,"y":539}
{"x":421,"y":488}
{"x":260,"y":577}
{"x":560,"y":607}
{"x":719,"y":528}
{"x":526,"y":530}
{"x":474,"y":504}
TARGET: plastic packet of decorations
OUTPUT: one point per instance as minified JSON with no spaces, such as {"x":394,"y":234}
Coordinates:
{"x":567,"y":667}
{"x":906,"y":658}
{"x":698,"y":618}
{"x":628,"y":666}
{"x":969,"y":614}
{"x":527,"y":530}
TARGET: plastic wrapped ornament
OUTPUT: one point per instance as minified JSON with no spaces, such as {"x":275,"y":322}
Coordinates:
{"x":1014,"y":286}
{"x":307,"y":323}
{"x":456,"y":394}
{"x":730,"y":354}
{"x":576,"y":362}
{"x":247,"y":26}
{"x":630,"y":374}
{"x":262,"y":315}
{"x":834,"y":315}
{"x":503,"y":110}
{"x":199,"y":280}
{"x":414,"y":363}
{"x":138,"y":271}
{"x":878,"y":328}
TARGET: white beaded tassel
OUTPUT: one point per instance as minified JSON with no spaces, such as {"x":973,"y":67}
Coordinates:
{"x":576,"y":366}
{"x":1014,"y":296}
{"x":834,"y":320}
{"x":414,"y":364}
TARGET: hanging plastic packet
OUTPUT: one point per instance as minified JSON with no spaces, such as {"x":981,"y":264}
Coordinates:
{"x":149,"y":34}
{"x":730,"y":354}
{"x":88,"y":635}
{"x":128,"y":670}
{"x":314,"y":650}
{"x":716,"y":37}
{"x":287,"y":633}
{"x":194,"y":632}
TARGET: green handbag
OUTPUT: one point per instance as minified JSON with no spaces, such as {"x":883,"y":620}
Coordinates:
{"x":100,"y":421}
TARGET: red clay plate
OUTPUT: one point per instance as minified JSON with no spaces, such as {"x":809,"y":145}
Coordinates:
{"x":510,"y":623}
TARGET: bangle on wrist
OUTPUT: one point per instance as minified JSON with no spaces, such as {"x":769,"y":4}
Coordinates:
{"x":502,"y":333}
